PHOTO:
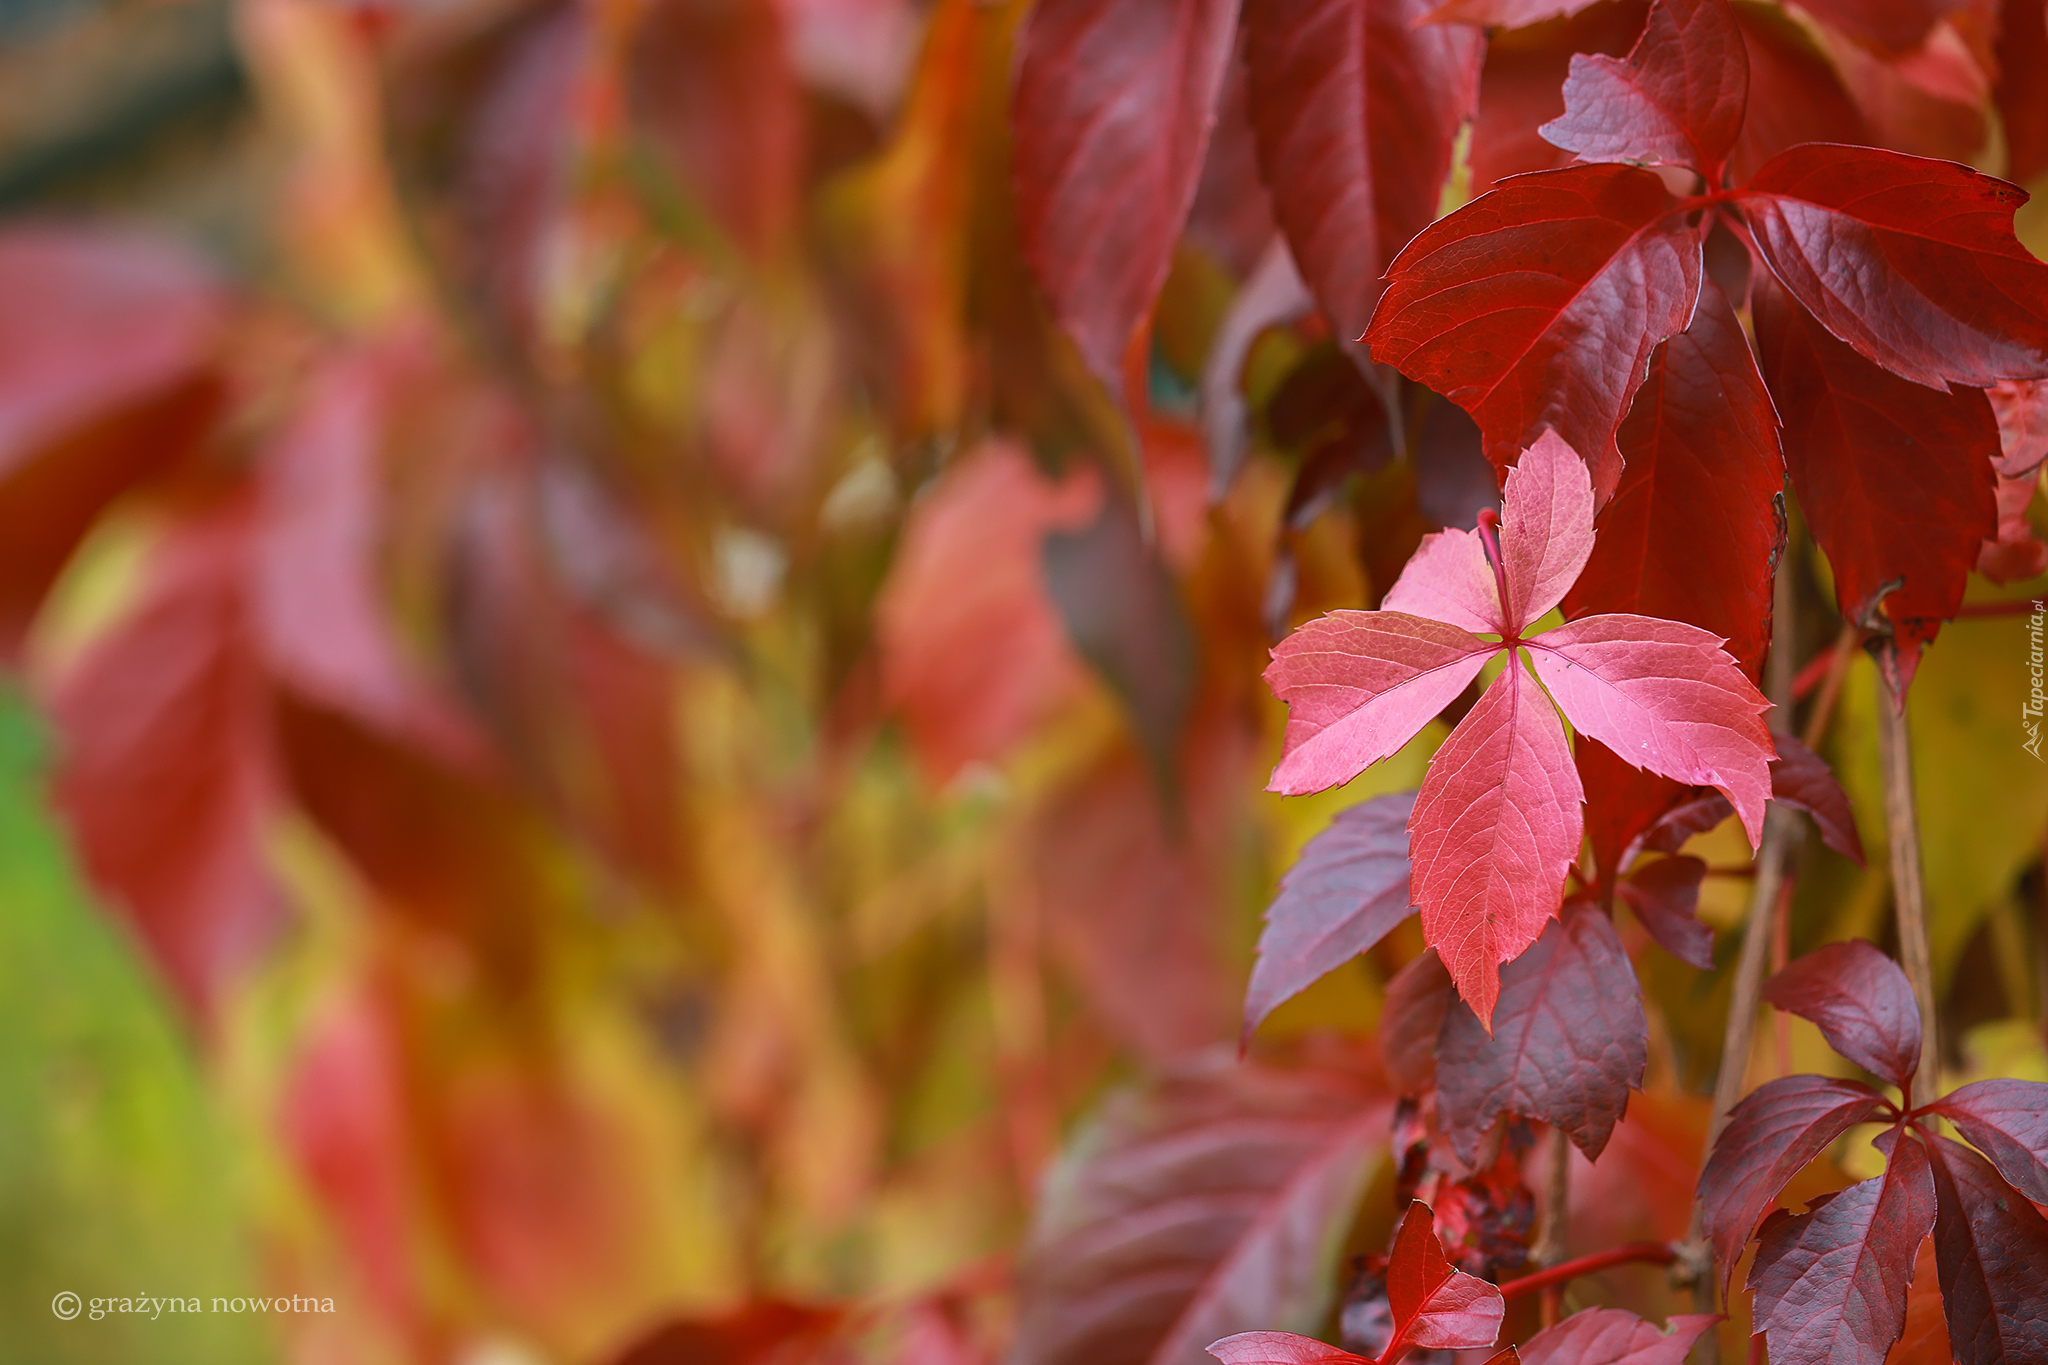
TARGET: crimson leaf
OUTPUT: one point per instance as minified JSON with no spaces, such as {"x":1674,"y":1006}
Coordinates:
{"x":1911,"y":261}
{"x":1355,"y":108}
{"x":1435,"y":1307}
{"x":1771,"y":1135}
{"x":1991,"y":1250}
{"x":1895,"y":479}
{"x":1609,"y":1336}
{"x":1348,"y":888}
{"x":1665,"y":893}
{"x":2008,"y":1122}
{"x":1411,"y":1021}
{"x":1862,"y":1003}
{"x":1569,"y":1039}
{"x":1279,"y":1348}
{"x":1676,"y":99}
{"x":1111,"y":118}
{"x":1831,"y":1282}
{"x":1538,"y":306}
{"x":1801,"y":778}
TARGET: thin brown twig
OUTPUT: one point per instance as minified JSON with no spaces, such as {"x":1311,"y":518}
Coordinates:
{"x":1909,"y":895}
{"x":1553,"y":1209}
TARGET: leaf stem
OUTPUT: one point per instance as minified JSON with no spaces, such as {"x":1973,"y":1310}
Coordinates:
{"x":1909,"y":895}
{"x":1488,"y":526}
{"x":1631,"y":1253}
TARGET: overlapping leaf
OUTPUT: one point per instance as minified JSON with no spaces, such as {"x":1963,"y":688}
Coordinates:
{"x":1676,"y":99}
{"x":1609,"y":1336}
{"x":1862,"y":1003}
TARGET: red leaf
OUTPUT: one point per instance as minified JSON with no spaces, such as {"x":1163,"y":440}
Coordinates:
{"x":1504,"y":13}
{"x":1911,"y":261}
{"x":1358,"y":685}
{"x":1861,"y":1002}
{"x":1677,"y":98}
{"x":1279,"y":1348}
{"x":1622,"y":804}
{"x":2014,"y":552}
{"x":1521,"y":86}
{"x":106,"y":353}
{"x":1801,"y":778}
{"x":1411,"y":1020}
{"x":1795,"y":93}
{"x":1435,"y":1307}
{"x":1771,"y":1135}
{"x":2008,"y":1122}
{"x":1111,"y":118}
{"x":1609,"y":1336}
{"x":2023,"y":85}
{"x":1831,"y":1283}
{"x":1495,"y":828}
{"x":1894,"y":26}
{"x":1694,"y":527}
{"x":973,"y":655}
{"x":2021,"y":407}
{"x":1345,"y":892}
{"x":1665,"y":894}
{"x":1201,"y":1207}
{"x":1664,"y":696}
{"x":1538,"y":305}
{"x":1895,"y":479}
{"x":1356,"y":108}
{"x":166,"y":771}
{"x":1569,"y":1039}
{"x":1991,"y":1247}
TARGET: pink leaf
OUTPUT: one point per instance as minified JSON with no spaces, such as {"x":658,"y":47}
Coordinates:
{"x":1676,"y":99}
{"x":1113,"y":106}
{"x":1279,"y":1348}
{"x":1358,"y":685}
{"x":1911,"y":261}
{"x":1538,"y":305}
{"x":1664,"y":696}
{"x":1569,"y":1039}
{"x":1496,"y":825}
{"x":1831,"y":1282}
{"x":1356,"y":108}
{"x":2008,"y":1122}
{"x":1546,"y":532}
{"x":1609,"y":1336}
{"x":1770,"y":1137}
{"x":1862,"y":1003}
{"x":1449,"y":579}
{"x":1665,"y":894}
{"x":2021,"y":406}
{"x":1347,"y":890}
{"x":1435,"y":1307}
{"x":1504,"y":13}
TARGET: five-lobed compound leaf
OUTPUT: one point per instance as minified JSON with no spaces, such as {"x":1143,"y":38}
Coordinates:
{"x":1676,"y":99}
{"x":1831,"y":1283}
{"x":1771,"y":1135}
{"x":1895,"y":478}
{"x":2007,"y":1120}
{"x":1111,"y":119}
{"x":1610,"y":1336}
{"x":1694,"y":528}
{"x":1538,"y":306}
{"x":1356,"y":108}
{"x":1991,"y":1250}
{"x":1911,"y":261}
{"x":1569,"y":1039}
{"x":1665,"y":894}
{"x":1496,"y":826}
{"x":1345,"y":892}
{"x":1862,"y":1003}
{"x":1435,"y":1307}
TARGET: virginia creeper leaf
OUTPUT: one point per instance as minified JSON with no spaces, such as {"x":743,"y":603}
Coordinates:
{"x":1795,"y":93}
{"x":1831,"y":1283}
{"x":2021,"y":407}
{"x":1201,"y":1206}
{"x":1771,"y":1135}
{"x":1569,"y":1039}
{"x":1538,"y":306}
{"x":1991,"y":1248}
{"x":1911,"y":261}
{"x":1694,"y":528}
{"x":1677,"y":98}
{"x":1358,"y":685}
{"x":1801,"y":778}
{"x":1546,"y":532}
{"x":1610,"y":1336}
{"x":1862,"y":1003}
{"x":1356,"y":108}
{"x":2007,"y":1120}
{"x":1522,"y":83}
{"x":1895,"y":479}
{"x":1411,"y":1021}
{"x":1348,"y":888}
{"x":1664,"y":696}
{"x":1435,"y":1307}
{"x":1622,"y":804}
{"x":1495,"y":828}
{"x":1280,"y":1348}
{"x":1665,"y":895}
{"x":1110,"y":121}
